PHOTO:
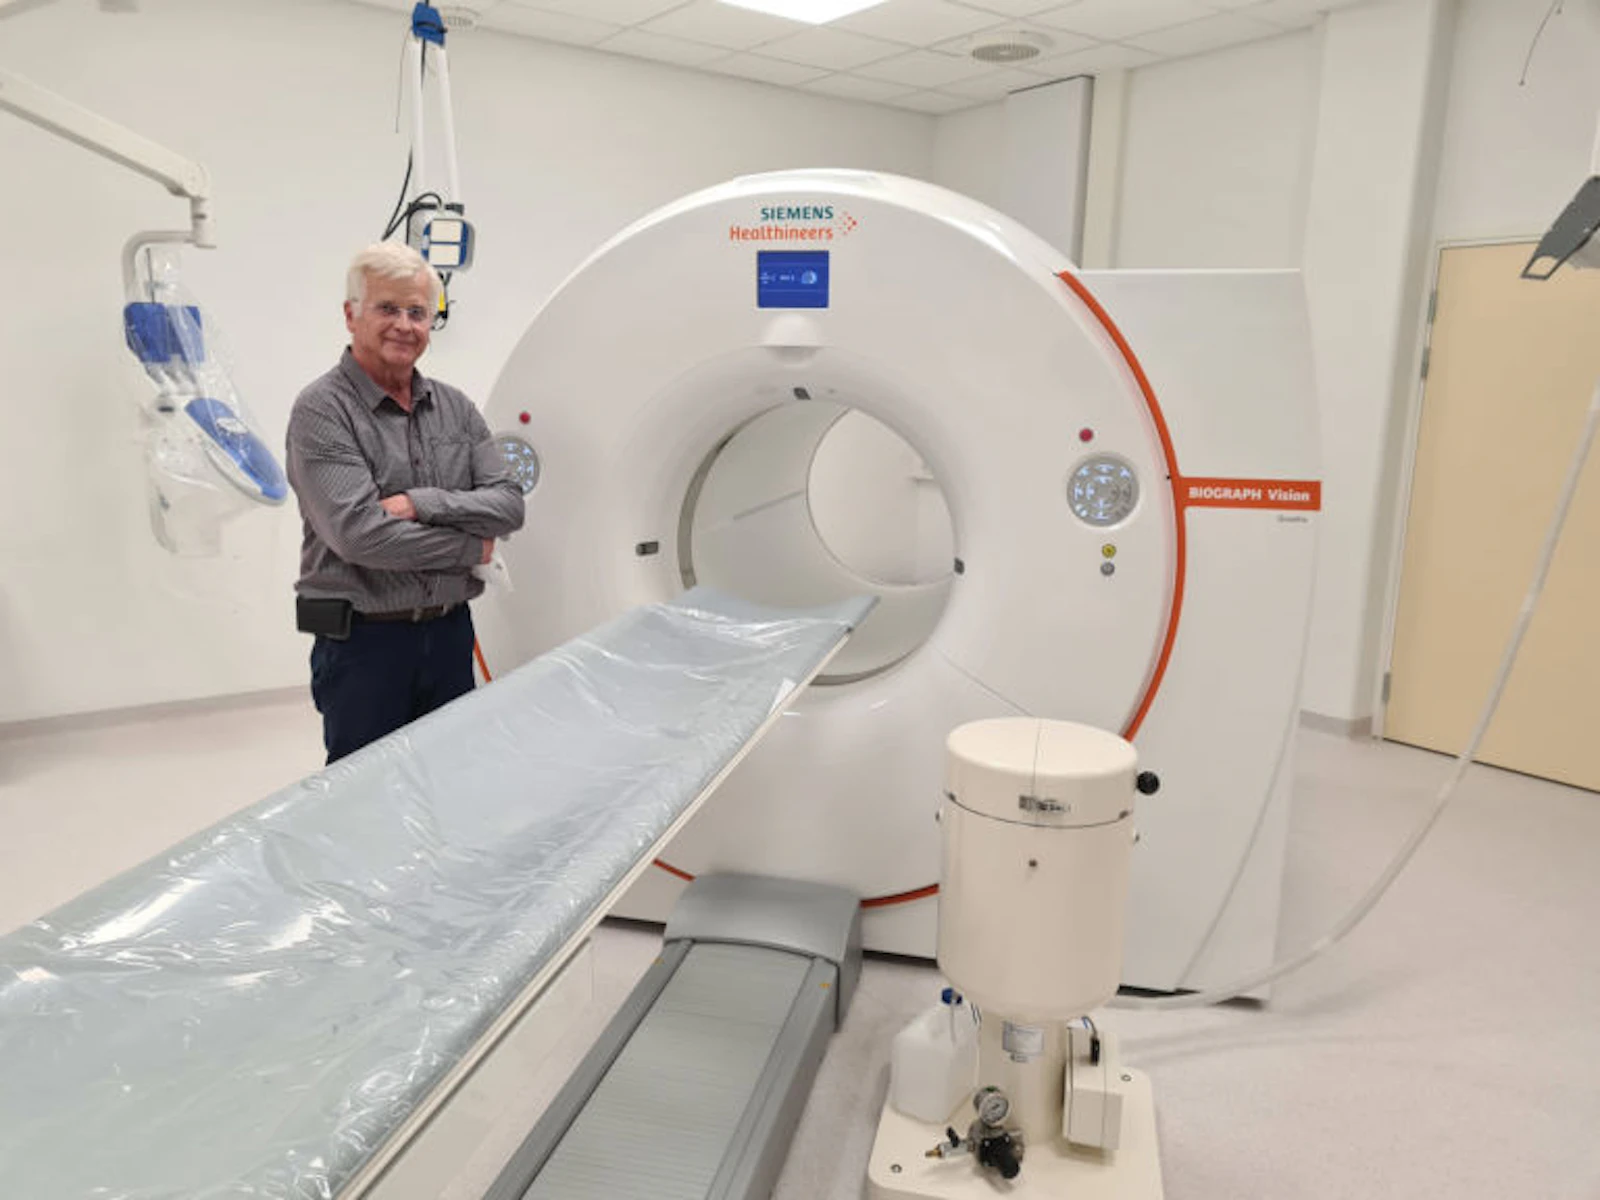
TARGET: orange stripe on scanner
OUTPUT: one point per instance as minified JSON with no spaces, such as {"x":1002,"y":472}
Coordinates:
{"x":1180,"y":533}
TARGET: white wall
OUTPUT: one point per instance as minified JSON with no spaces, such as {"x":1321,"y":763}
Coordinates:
{"x":290,"y":106}
{"x":1047,"y":155}
{"x":1026,"y":155}
{"x":1514,"y":154}
{"x":969,"y":153}
{"x":1212,"y":164}
{"x":1385,"y":75}
{"x":1216,"y":157}
{"x":1102,"y":199}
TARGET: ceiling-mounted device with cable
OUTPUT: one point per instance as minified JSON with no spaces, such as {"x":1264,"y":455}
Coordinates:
{"x":1572,"y":237}
{"x":432,"y":217}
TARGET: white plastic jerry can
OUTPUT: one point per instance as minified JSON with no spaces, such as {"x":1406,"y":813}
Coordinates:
{"x":933,"y":1063}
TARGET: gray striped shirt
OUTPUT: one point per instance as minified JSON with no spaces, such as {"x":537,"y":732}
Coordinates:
{"x":351,"y":446}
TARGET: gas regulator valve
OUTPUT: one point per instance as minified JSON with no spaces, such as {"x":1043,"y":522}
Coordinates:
{"x":996,"y":1148}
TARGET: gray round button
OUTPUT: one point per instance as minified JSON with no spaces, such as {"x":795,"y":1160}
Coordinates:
{"x":522,"y":459}
{"x":1103,"y":490}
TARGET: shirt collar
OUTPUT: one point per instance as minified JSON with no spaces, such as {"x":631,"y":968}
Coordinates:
{"x":369,"y":391}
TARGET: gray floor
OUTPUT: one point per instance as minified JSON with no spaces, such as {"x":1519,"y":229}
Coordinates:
{"x":1451,"y":1048}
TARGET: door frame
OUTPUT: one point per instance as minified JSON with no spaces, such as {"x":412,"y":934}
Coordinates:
{"x":1400,"y":514}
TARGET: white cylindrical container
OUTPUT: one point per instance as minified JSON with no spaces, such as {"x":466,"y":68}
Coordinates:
{"x":933,"y":1062}
{"x":1038,"y":836}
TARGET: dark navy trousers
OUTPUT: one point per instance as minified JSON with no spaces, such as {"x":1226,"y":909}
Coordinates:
{"x":387,"y":675}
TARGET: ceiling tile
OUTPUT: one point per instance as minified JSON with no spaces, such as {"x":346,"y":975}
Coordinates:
{"x":923,"y":69}
{"x":767,"y":70}
{"x":912,"y":54}
{"x":1108,"y":56}
{"x":1012,"y":8}
{"x":1291,"y":14}
{"x":918,"y":22}
{"x":618,"y":12}
{"x":1112,"y":20}
{"x":722,"y":25}
{"x":855,"y":87}
{"x":640,"y":44}
{"x":932,"y":102}
{"x":1208,"y":34}
{"x":509,"y":17}
{"x":993,"y":84}
{"x":836,"y":49}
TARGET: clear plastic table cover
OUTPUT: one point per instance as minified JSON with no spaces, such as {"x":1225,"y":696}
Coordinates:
{"x":255,"y":1012}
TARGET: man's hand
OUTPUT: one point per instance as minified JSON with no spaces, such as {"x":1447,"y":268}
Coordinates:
{"x":399,"y":506}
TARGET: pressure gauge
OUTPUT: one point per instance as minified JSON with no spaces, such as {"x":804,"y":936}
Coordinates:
{"x":1103,"y":490}
{"x":992,"y":1105}
{"x":521,"y":459}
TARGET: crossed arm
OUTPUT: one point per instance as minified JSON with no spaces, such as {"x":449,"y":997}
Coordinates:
{"x":427,"y":529}
{"x":491,"y":508}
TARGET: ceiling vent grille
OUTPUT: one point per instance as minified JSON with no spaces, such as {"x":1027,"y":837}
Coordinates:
{"x":1009,"y":46}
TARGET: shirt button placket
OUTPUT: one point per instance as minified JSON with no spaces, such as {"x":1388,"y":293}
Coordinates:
{"x":432,"y":582}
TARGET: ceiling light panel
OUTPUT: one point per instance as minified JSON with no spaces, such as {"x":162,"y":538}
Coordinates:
{"x":812,"y":12}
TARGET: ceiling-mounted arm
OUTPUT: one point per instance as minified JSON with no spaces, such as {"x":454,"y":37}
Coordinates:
{"x":202,"y":453}
{"x":121,"y":145}
{"x":433,"y":219}
{"x":1572,"y":238}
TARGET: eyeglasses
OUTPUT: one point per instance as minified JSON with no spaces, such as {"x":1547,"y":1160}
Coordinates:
{"x":416,"y":314}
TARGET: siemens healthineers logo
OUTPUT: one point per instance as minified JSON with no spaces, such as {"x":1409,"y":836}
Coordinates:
{"x":795,"y":223}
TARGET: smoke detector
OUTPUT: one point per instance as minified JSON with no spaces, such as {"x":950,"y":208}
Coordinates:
{"x":1009,"y":46}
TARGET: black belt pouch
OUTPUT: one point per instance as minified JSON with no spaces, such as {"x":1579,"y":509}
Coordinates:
{"x":325,"y":618}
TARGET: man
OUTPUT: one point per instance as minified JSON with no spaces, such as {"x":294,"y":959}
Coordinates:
{"x":402,"y":492}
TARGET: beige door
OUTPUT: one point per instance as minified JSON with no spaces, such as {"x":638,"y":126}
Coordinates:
{"x":1511,"y":368}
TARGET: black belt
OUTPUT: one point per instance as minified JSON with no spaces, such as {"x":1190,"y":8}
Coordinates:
{"x":413,"y":616}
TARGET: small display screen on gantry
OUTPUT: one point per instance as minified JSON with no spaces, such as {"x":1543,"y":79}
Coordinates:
{"x":791,"y":279}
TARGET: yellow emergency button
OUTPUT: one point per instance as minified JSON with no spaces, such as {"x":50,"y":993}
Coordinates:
{"x":1108,"y":550}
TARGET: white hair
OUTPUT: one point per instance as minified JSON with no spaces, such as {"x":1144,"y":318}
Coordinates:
{"x":389,"y":260}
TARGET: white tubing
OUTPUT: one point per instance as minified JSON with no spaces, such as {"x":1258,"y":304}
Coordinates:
{"x":419,"y":166}
{"x":1381,"y":885}
{"x":452,"y":173}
